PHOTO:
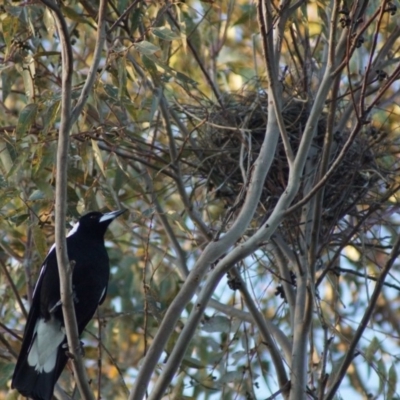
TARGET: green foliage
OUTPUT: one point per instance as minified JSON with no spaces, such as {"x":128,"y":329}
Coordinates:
{"x":147,"y":140}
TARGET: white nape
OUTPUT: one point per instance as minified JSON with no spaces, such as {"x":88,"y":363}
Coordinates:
{"x":48,"y":335}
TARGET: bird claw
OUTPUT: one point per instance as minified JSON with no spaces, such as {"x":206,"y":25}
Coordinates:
{"x":70,"y":355}
{"x":80,"y":349}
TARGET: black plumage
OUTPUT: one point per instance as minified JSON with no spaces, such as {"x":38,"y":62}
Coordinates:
{"x":43,"y":353}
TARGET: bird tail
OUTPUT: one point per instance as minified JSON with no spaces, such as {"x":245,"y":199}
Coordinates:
{"x":33,"y":384}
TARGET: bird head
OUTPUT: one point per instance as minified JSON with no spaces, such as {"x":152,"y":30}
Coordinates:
{"x":95,"y":223}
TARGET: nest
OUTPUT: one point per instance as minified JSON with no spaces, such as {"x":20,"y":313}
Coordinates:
{"x":231,"y":139}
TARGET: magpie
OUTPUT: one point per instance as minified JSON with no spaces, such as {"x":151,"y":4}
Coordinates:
{"x":44,"y":348}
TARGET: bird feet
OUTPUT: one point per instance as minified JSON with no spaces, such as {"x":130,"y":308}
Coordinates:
{"x":80,"y":349}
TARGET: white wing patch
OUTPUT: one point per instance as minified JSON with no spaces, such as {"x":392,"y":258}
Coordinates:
{"x":71,"y":232}
{"x":48,"y":335}
{"x":102,"y":295}
{"x":40,"y":277}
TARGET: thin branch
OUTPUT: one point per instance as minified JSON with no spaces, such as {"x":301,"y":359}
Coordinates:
{"x":192,"y":48}
{"x":343,"y":41}
{"x":211,"y":253}
{"x":282,"y":263}
{"x":180,"y":261}
{"x":268,"y":331}
{"x":181,"y":255}
{"x":28,"y":262}
{"x":361,"y":105}
{"x":13,"y":288}
{"x":194,"y":319}
{"x":266,"y":28}
{"x":231,"y":311}
{"x":64,"y":267}
{"x":123,"y":15}
{"x":329,"y":173}
{"x":60,"y":394}
{"x":90,"y":79}
{"x":7,"y":345}
{"x":345,"y":241}
{"x":339,"y":270}
{"x":326,"y":155}
{"x":110,"y":356}
{"x":10,"y":331}
{"x":364,"y":322}
{"x":301,"y":329}
{"x":190,"y":208}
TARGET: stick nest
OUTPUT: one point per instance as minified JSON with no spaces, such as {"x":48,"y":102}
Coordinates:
{"x":229,"y":141}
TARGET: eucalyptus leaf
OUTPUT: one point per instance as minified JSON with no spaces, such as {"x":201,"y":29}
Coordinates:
{"x":37,"y":195}
{"x":371,"y":350}
{"x":192,"y":363}
{"x":6,"y":371}
{"x":40,"y":241}
{"x":146,"y":48}
{"x":165,"y":33}
{"x":232,"y":376}
{"x":392,"y":388}
{"x":26,"y":118}
{"x":217,"y":324}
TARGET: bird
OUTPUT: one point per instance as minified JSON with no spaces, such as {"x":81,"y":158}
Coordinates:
{"x":43,"y":353}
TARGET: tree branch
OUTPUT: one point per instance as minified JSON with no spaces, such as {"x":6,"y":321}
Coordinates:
{"x":213,"y":250}
{"x":364,"y":321}
{"x":196,"y":314}
{"x":100,"y":39}
{"x":271,"y":63}
{"x":13,"y":288}
{"x":64,"y":266}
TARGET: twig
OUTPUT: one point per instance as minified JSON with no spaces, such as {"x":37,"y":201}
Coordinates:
{"x":10,"y":331}
{"x":265,"y":23}
{"x":361,"y":105}
{"x":99,"y":359}
{"x":64,"y":266}
{"x":14,"y":288}
{"x":125,"y":13}
{"x":323,"y":376}
{"x":90,"y":79}
{"x":192,"y":48}
{"x":60,"y":394}
{"x":28,"y":262}
{"x":7,"y":345}
{"x":364,"y":322}
{"x":181,"y":256}
{"x":146,"y":288}
{"x":190,"y":327}
{"x":355,"y":229}
{"x":190,"y":208}
{"x":110,"y":356}
{"x":370,"y":277}
{"x":266,"y":332}
{"x":329,"y":173}
{"x":326,"y":152}
{"x":211,"y":253}
{"x":284,"y":272}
